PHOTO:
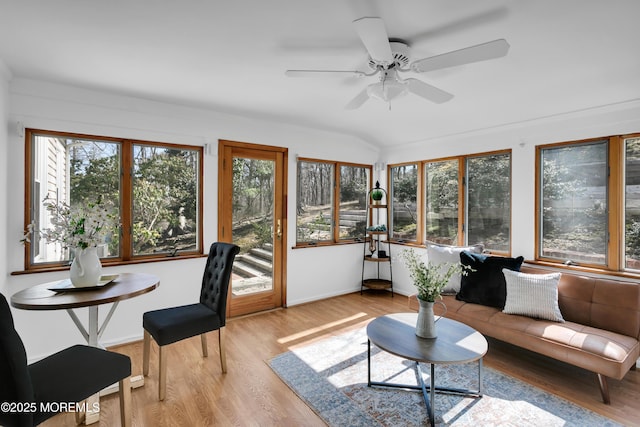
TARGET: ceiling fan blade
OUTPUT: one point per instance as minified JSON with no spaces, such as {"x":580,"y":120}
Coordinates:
{"x":477,"y":53}
{"x":322,"y":73}
{"x":374,"y":37}
{"x":359,"y":99}
{"x":427,"y":91}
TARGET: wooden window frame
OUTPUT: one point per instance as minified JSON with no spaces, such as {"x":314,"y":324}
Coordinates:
{"x":615,"y":256}
{"x":420,"y":177}
{"x":126,"y":255}
{"x":421,"y":239}
{"x":461,"y":195}
{"x":335,"y":215}
{"x":465,"y":188}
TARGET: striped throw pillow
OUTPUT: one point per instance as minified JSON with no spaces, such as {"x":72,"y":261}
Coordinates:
{"x":532,"y":295}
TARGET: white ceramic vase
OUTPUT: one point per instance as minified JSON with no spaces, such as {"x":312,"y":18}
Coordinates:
{"x":426,"y":323}
{"x":86,"y":268}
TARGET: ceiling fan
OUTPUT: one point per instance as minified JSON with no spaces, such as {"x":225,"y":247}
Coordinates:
{"x":389,"y":57}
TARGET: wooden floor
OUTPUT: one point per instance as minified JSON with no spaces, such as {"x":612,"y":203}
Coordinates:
{"x":250,"y":394}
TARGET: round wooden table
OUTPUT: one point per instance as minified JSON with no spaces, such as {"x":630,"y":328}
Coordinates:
{"x":456,"y":343}
{"x":124,"y":286}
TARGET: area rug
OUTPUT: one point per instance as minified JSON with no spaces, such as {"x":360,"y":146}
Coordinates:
{"x":331,"y":377}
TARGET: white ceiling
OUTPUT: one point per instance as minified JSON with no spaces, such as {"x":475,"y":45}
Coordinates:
{"x":565,"y":56}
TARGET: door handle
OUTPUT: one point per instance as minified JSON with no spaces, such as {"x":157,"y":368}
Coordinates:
{"x":278,"y":229}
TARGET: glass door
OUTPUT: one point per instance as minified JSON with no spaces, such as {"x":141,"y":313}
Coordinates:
{"x":251,"y":209}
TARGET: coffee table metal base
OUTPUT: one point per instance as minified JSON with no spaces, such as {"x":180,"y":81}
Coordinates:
{"x":428,"y":393}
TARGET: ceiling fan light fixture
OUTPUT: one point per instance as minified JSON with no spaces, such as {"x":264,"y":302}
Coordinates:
{"x":387,"y":90}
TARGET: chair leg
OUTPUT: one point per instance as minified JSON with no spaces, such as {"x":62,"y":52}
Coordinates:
{"x":223,"y":357}
{"x":205,"y":350}
{"x":162,"y":390}
{"x":146,"y":349}
{"x":604,"y":389}
{"x":125,"y":402}
{"x":80,"y":416}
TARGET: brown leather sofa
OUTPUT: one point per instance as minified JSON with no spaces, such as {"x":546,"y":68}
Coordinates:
{"x":601,"y":332}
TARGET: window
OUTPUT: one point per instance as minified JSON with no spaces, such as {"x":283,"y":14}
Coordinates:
{"x":488,"y":203}
{"x":331,"y":201}
{"x":574,"y":202}
{"x":158,"y":204}
{"x":403,"y":193}
{"x":441,"y":201}
{"x":632,"y":203}
{"x":588,"y":203}
{"x":354,"y":186}
{"x":467,"y":200}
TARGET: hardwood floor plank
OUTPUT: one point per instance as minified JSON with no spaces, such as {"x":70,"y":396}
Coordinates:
{"x":250,"y":394}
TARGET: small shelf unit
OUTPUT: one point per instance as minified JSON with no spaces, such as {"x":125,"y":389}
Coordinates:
{"x":377,"y":250}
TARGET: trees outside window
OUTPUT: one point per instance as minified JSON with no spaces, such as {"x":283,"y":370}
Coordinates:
{"x":467,"y":200}
{"x":632,"y":203}
{"x":354,"y":186}
{"x":165,"y":199}
{"x":314,"y":211}
{"x":588,"y":203}
{"x":488,"y":195}
{"x":403,"y":191}
{"x":157,"y":201}
{"x":441,"y":201}
{"x":574,"y":202}
{"x":331,"y":201}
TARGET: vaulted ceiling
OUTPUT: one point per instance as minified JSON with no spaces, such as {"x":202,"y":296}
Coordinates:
{"x":565,"y":56}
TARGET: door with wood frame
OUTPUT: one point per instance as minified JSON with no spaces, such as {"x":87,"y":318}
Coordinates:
{"x":252,"y":195}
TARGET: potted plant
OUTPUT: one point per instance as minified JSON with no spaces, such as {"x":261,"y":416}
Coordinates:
{"x":430,"y":279}
{"x":377,"y":193}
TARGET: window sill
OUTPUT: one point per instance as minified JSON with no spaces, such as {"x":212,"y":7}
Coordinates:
{"x":325,"y":244}
{"x":583,"y":269}
{"x":109,"y":264}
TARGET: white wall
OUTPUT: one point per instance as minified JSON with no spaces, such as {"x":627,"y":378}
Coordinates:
{"x":48,"y":106}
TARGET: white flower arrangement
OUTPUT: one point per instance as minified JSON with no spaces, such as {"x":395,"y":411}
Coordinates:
{"x":430,"y":279}
{"x":82,"y":227}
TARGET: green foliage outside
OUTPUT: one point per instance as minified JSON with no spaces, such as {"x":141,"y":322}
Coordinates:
{"x":489,"y":201}
{"x":442,"y":202}
{"x":165,"y":191}
{"x":574,"y":210}
{"x":405,"y":190}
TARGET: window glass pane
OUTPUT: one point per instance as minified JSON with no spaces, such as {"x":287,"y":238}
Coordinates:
{"x":404,"y":210}
{"x":315,"y":202}
{"x":354,"y":183}
{"x":165,"y":200}
{"x":441,"y":202}
{"x":574,"y":203}
{"x":632,"y":203}
{"x":76,"y":173}
{"x":489,"y":201}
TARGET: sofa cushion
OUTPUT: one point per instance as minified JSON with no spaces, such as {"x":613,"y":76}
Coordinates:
{"x":484,"y":283}
{"x":532,"y":295}
{"x":438,"y":254}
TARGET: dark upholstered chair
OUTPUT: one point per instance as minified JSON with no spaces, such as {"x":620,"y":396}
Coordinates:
{"x":69,"y":376}
{"x":174,"y":324}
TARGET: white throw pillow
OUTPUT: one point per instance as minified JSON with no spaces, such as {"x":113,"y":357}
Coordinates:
{"x":532,"y":295}
{"x":450,"y":254}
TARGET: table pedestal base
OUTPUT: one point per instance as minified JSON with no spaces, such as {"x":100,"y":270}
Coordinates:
{"x":428,"y":393}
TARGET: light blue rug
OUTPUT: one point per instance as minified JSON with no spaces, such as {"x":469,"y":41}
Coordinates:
{"x":331,"y":377}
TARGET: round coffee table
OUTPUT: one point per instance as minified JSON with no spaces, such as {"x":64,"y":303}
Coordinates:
{"x":456,"y":343}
